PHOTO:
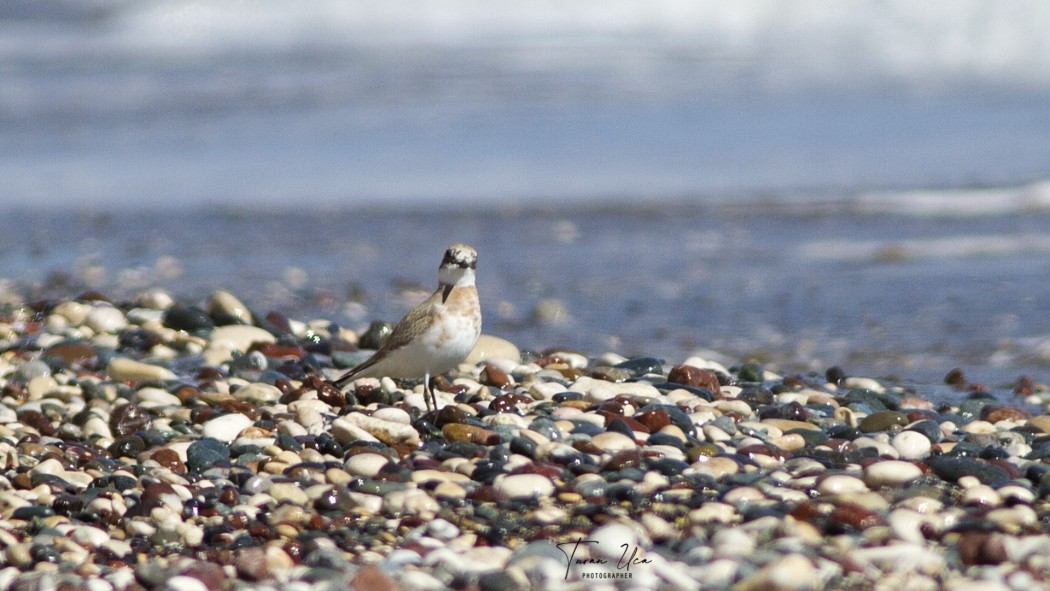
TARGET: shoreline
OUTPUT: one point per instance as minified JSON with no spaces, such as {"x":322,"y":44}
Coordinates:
{"x":172,"y":445}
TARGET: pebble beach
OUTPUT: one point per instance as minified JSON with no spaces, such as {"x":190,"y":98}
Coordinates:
{"x":161,"y":444}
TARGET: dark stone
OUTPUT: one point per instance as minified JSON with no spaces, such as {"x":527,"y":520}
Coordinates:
{"x":930,"y":429}
{"x":953,"y":468}
{"x":127,"y":447}
{"x":522,"y":446}
{"x":376,"y":335}
{"x":665,"y":439}
{"x":873,"y":400}
{"x":205,"y":453}
{"x":835,"y":375}
{"x":188,"y":318}
{"x":499,"y":581}
{"x":641,"y":366}
{"x":883,"y":421}
{"x":955,"y":378}
{"x":750,"y":372}
{"x":567,"y":396}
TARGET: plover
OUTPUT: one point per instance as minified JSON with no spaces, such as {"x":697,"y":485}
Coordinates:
{"x":437,"y":335}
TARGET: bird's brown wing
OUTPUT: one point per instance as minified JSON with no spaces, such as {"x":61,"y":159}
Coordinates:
{"x":411,"y":325}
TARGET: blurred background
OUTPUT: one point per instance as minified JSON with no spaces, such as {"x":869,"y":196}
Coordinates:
{"x":805,"y":182}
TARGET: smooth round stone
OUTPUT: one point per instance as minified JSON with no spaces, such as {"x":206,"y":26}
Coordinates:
{"x":366,"y":464}
{"x":786,"y":425}
{"x":74,"y":312}
{"x":788,"y":573}
{"x":891,"y":473}
{"x":238,"y":337}
{"x":205,"y":453}
{"x":187,"y":318}
{"x":41,"y":386}
{"x":732,"y":542}
{"x":489,"y":347}
{"x":981,"y":494}
{"x":911,"y":445}
{"x":105,"y":319}
{"x":1041,"y":422}
{"x":388,"y":432}
{"x":153,"y":397}
{"x":522,"y":486}
{"x":863,"y":384}
{"x":953,"y":468}
{"x":411,"y":501}
{"x":841,"y":484}
{"x":882,"y":421}
{"x":393,"y":414}
{"x":225,"y":308}
{"x":609,"y":540}
{"x":258,"y":393}
{"x":122,"y":369}
{"x":129,"y":418}
{"x":156,"y":299}
{"x":288,"y":491}
{"x":227,"y":427}
{"x":612,"y":441}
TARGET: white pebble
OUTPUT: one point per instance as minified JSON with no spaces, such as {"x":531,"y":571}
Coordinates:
{"x":389,"y":432}
{"x":522,"y":486}
{"x":863,"y":384}
{"x":891,"y":473}
{"x":841,"y":484}
{"x":124,"y":369}
{"x":911,"y":445}
{"x":106,"y":319}
{"x":258,"y":393}
{"x":227,"y":427}
{"x":366,"y":464}
{"x":611,"y":441}
{"x":393,"y":414}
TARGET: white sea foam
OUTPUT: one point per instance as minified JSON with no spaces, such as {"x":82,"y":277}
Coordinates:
{"x":943,"y":248}
{"x":957,"y":202}
{"x":777,"y":45}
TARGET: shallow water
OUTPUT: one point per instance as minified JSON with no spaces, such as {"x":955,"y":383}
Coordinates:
{"x":798,"y":291}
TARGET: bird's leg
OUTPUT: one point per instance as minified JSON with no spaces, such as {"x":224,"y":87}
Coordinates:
{"x":428,"y":393}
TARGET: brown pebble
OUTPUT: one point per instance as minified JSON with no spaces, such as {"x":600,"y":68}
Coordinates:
{"x":251,"y":564}
{"x":956,"y":378}
{"x":1025,"y":386}
{"x":469,"y":433}
{"x":851,"y":517}
{"x":994,"y":414}
{"x":495,"y":377}
{"x":169,"y":459}
{"x":634,"y":424}
{"x":74,"y":354}
{"x":279,"y":352}
{"x":508,"y":403}
{"x":449,"y":415}
{"x":694,"y":377}
{"x":979,"y":548}
{"x":152,"y":493}
{"x":37,"y":421}
{"x":654,"y":419}
{"x":210,"y":573}
{"x":631,"y":458}
{"x":129,"y":418}
{"x":371,"y":578}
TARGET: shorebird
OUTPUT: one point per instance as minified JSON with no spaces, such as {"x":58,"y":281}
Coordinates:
{"x":437,"y":335}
